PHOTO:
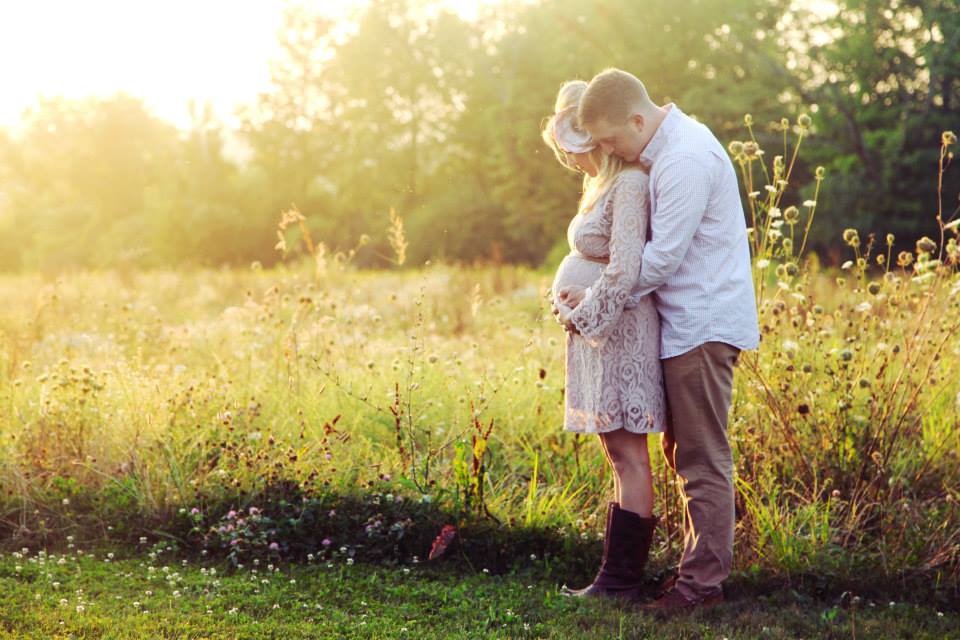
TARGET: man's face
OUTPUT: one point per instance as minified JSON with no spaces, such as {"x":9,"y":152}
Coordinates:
{"x":626,"y":140}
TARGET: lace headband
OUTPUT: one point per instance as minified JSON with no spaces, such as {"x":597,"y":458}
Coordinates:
{"x":569,"y":137}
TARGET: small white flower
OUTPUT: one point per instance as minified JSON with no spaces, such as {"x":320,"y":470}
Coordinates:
{"x":809,"y":203}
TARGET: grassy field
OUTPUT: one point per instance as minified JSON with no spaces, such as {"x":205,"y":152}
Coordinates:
{"x":110,"y":592}
{"x":313,"y":411}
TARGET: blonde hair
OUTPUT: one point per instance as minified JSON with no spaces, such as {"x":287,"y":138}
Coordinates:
{"x":613,"y":95}
{"x":608,"y":166}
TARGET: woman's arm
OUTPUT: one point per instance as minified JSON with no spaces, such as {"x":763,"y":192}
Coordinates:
{"x":598,"y":313}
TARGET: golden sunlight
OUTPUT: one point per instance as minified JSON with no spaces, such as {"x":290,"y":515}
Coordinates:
{"x":166,"y":53}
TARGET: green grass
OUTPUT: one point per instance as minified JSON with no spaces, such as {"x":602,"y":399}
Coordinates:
{"x":340,"y":600}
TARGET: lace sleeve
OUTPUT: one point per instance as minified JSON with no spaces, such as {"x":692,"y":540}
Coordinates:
{"x":598,"y":313}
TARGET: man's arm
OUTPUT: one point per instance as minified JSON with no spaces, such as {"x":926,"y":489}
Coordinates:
{"x":682,"y":190}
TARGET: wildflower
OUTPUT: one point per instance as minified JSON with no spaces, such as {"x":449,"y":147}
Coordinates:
{"x":803,"y":121}
{"x":753,"y":194}
{"x":809,"y":203}
{"x":820,"y":171}
{"x":904,"y":259}
{"x":748,"y":119}
{"x":890,"y":239}
{"x":326,"y":542}
{"x":771,"y":189}
{"x":948,"y":138}
{"x":846,"y":265}
{"x":735,"y":148}
{"x":751,"y":150}
{"x":926,"y":245}
{"x":762,"y":263}
{"x":791,"y":214}
{"x":851,"y":237}
{"x":774,"y":212}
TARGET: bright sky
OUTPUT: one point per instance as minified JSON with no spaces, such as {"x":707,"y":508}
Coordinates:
{"x":164,"y":52}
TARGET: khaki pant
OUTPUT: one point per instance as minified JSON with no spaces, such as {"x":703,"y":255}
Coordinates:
{"x":699,"y":385}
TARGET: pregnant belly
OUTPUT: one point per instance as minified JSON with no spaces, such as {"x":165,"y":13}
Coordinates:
{"x":576,"y":270}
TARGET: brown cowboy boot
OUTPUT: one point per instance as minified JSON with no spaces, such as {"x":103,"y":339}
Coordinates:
{"x":626,"y":546}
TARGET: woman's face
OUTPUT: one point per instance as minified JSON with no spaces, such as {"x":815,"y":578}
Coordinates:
{"x":584,"y":161}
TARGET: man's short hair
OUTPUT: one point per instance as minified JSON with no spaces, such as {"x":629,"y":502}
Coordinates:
{"x":613,"y":95}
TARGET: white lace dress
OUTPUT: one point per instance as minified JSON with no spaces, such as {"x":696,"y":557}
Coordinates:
{"x":613,"y":373}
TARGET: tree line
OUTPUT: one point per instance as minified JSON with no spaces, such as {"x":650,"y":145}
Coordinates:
{"x":406,"y":106}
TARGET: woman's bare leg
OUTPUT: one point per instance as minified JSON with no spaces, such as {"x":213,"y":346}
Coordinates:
{"x":616,"y":478}
{"x":630,"y":459}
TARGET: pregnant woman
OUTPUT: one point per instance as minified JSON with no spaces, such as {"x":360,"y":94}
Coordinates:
{"x":614,"y":381}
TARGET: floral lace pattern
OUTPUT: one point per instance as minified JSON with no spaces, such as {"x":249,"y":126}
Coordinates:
{"x":613,"y":373}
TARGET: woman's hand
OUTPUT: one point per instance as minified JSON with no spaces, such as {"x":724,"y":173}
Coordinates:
{"x":571,"y":295}
{"x":562,"y":313}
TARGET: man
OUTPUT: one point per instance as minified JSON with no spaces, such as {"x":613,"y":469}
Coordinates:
{"x":697,"y":265}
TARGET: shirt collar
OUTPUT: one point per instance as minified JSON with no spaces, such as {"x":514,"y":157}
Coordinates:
{"x":660,"y":137}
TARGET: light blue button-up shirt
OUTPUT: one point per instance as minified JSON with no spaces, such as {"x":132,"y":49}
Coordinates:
{"x":696,"y":262}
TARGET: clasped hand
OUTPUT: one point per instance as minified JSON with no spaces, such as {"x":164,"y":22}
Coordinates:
{"x":567,"y":300}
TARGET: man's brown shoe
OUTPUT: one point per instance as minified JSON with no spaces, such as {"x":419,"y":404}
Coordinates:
{"x":675,"y":602}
